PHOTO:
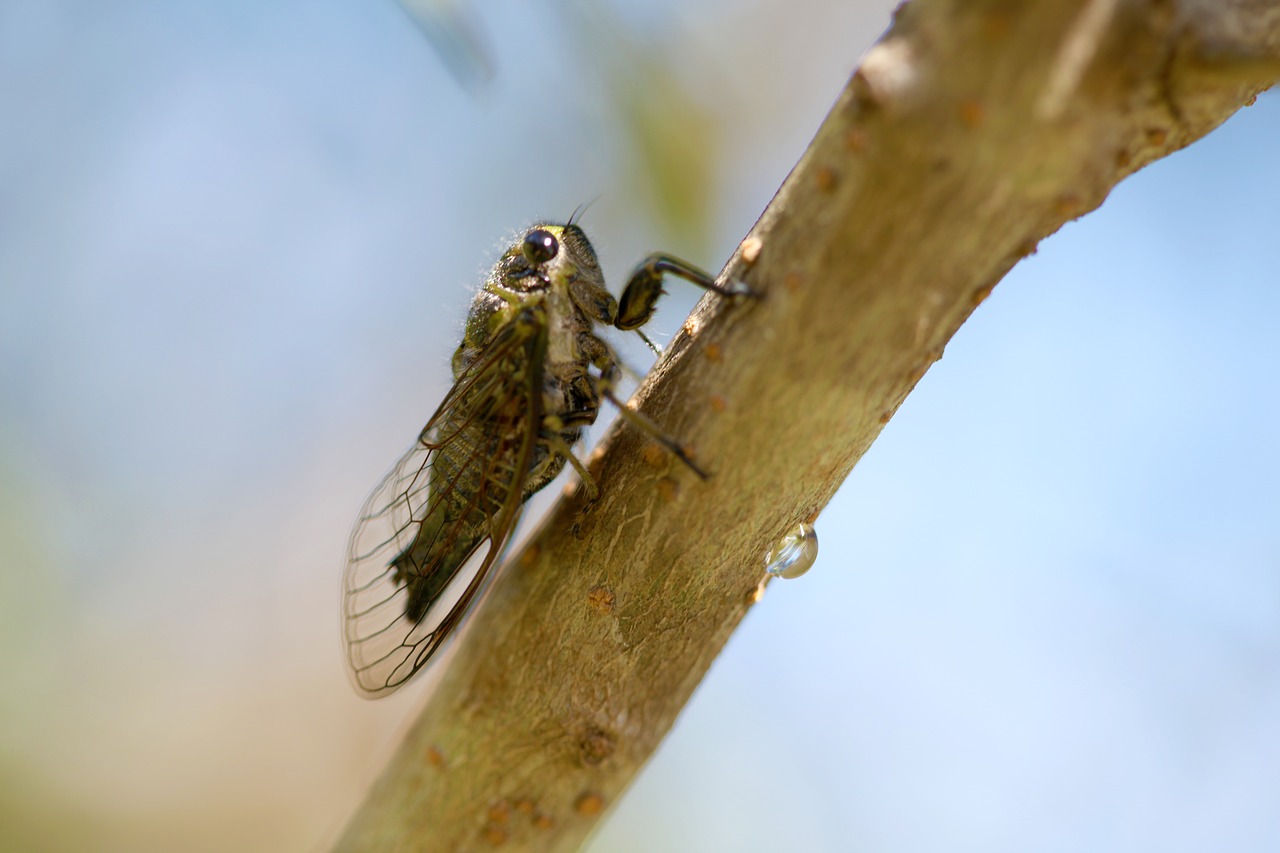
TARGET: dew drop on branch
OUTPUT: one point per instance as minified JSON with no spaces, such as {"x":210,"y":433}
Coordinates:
{"x":795,"y":554}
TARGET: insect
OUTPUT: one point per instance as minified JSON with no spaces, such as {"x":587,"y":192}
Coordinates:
{"x":529,"y":377}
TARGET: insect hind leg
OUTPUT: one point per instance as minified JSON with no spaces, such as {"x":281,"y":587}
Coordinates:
{"x":561,"y":447}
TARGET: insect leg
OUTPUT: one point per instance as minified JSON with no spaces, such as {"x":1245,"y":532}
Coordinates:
{"x":654,"y":431}
{"x":558,"y":445}
{"x":603,"y":358}
{"x":644,"y":288}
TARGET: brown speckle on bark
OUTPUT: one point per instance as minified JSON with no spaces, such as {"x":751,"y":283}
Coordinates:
{"x":595,"y":745}
{"x":589,"y":803}
{"x":601,"y":599}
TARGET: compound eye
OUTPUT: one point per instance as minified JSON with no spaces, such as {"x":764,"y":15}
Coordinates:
{"x":539,"y":246}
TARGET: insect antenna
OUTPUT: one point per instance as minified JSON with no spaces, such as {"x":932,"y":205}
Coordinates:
{"x":580,"y":210}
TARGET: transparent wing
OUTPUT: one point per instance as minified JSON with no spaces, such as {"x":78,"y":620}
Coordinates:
{"x":427,"y":538}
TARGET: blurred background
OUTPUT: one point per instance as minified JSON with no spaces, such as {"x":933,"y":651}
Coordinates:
{"x":237,"y":242}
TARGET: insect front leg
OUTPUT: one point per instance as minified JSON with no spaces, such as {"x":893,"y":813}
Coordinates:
{"x":640,"y":297}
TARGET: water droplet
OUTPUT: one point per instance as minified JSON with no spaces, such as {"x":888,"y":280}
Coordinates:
{"x":795,"y":554}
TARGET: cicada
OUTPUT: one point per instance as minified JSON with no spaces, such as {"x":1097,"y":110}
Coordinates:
{"x":529,"y":378}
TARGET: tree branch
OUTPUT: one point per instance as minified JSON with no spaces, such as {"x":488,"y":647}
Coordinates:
{"x":971,"y":131}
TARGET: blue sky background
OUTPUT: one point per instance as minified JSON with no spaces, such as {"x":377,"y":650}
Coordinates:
{"x":236,"y":247}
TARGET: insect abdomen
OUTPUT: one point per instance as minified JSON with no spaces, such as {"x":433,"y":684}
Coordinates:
{"x":465,"y":497}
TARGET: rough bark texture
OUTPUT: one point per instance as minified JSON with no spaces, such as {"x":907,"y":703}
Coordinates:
{"x":971,"y":131}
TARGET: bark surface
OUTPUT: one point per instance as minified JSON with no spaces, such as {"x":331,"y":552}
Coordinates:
{"x":971,"y":131}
